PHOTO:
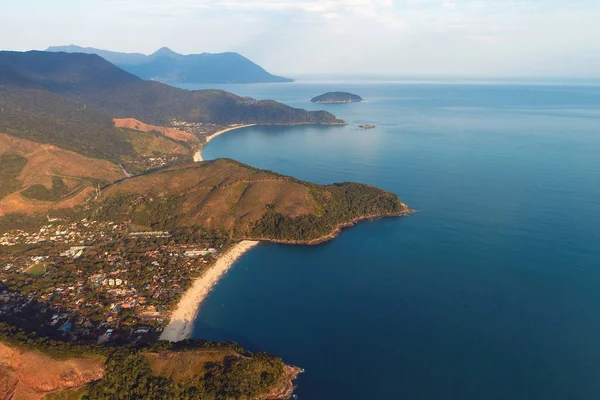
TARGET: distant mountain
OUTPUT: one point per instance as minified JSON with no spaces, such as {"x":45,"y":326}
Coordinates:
{"x":167,"y":66}
{"x":111,"y":56}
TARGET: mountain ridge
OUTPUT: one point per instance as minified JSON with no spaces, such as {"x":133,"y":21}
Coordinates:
{"x":166,"y":65}
{"x":93,"y":81}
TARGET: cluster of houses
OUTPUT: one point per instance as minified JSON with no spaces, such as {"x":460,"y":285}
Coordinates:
{"x":197,"y":128}
{"x":147,"y":163}
{"x":60,"y":323}
{"x":101,"y":282}
{"x":80,"y":232}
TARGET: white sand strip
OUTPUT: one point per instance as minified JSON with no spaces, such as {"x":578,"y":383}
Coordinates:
{"x":182,"y":319}
{"x":198,"y":154}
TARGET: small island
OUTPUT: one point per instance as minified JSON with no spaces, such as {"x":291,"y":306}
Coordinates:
{"x":366,"y":126}
{"x":337,"y":98}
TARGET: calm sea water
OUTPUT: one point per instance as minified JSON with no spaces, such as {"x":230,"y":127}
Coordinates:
{"x":492,"y":291}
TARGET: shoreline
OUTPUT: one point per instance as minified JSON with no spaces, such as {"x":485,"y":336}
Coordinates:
{"x":337,"y":230}
{"x":182,"y":319}
{"x":198,"y":153}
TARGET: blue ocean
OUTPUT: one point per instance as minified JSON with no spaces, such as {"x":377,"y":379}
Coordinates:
{"x":490,"y":291}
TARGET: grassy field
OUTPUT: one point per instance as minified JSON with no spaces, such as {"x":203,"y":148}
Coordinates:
{"x":73,"y":394}
{"x":184,"y":366}
{"x":37,"y":269}
{"x":11,"y":165}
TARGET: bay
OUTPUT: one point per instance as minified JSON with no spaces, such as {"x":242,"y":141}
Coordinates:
{"x":489,"y":292}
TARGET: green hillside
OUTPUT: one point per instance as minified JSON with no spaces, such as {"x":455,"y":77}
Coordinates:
{"x":242,"y":202}
{"x":93,"y":81}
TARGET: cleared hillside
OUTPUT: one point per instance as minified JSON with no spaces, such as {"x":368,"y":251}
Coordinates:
{"x":27,"y":374}
{"x":171,"y":133}
{"x":36,"y":177}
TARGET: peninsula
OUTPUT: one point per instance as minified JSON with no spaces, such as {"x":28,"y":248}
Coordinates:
{"x":337,"y":98}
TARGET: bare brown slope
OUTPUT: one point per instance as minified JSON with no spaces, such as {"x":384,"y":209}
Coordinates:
{"x":171,"y":133}
{"x":45,"y":162}
{"x":30,"y":375}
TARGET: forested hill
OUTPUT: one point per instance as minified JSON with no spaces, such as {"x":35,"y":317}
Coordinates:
{"x":35,"y":367}
{"x":94,"y":82}
{"x":243,"y":202}
{"x":337,"y":98}
{"x":59,"y":73}
{"x":165,"y":65}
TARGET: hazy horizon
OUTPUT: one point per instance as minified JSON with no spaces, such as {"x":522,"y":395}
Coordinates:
{"x":470,"y":38}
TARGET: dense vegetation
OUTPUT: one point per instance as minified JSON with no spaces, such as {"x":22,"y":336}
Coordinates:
{"x":45,"y":117}
{"x":41,"y":192}
{"x":129,"y":376}
{"x":11,"y":164}
{"x":337,"y":97}
{"x":242,"y":202}
{"x":339,"y":204}
{"x":33,"y":222}
{"x":218,"y":370}
{"x":34,"y":339}
{"x":93,"y":81}
{"x":162,"y":213}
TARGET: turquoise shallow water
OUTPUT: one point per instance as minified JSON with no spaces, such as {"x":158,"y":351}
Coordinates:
{"x":492,"y":291}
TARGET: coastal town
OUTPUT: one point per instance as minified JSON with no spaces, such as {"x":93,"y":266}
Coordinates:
{"x":141,"y":164}
{"x":98,"y":282}
{"x":104,"y":282}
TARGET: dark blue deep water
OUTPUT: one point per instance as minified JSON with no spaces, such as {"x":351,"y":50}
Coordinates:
{"x":492,"y":291}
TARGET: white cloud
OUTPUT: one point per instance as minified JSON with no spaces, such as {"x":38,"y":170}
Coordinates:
{"x":491,"y":37}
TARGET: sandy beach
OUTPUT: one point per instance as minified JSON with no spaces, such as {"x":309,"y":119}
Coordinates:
{"x":198,"y":154}
{"x":182,"y":319}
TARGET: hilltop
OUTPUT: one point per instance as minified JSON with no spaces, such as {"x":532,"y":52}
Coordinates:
{"x":165,"y":65}
{"x":242,"y":202}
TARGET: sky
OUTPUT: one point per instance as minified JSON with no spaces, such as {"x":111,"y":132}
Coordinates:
{"x":477,"y":38}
